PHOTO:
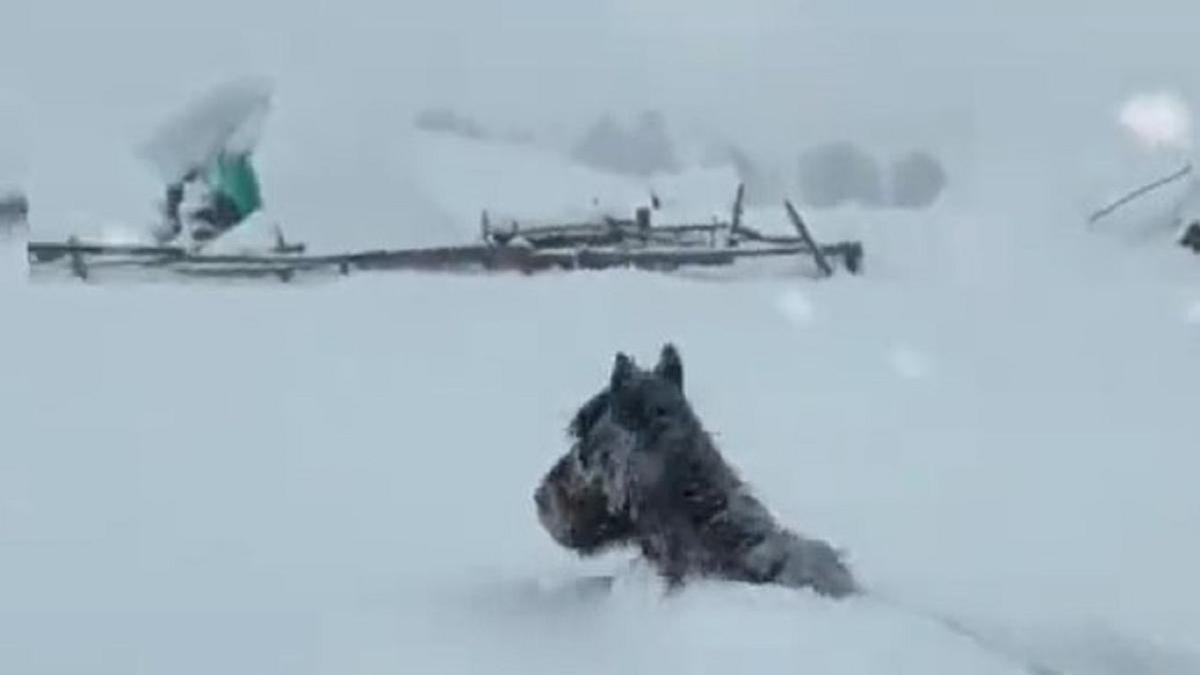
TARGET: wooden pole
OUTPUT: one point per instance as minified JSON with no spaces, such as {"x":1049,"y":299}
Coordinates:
{"x":78,"y":267}
{"x":802,"y":230}
{"x":1142,"y":191}
{"x":735,"y":223}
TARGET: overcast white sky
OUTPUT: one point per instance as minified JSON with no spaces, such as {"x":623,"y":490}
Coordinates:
{"x":771,"y":74}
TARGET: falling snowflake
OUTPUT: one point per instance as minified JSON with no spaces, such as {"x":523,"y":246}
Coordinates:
{"x":1158,"y":121}
{"x":909,"y":363}
{"x":795,"y":307}
{"x":1192,"y":314}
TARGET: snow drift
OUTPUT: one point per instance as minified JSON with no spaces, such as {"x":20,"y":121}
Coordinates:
{"x":228,"y":117}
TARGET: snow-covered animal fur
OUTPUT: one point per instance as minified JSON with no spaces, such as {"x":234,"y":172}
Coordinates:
{"x":643,"y":472}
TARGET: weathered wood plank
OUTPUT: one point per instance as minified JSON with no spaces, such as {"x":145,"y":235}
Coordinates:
{"x":802,"y":229}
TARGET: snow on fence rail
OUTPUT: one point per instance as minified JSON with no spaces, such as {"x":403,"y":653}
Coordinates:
{"x":587,"y":246}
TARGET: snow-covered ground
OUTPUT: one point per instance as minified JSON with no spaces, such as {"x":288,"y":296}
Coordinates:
{"x":997,"y":421}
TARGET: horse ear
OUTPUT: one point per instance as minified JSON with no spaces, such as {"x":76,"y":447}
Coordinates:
{"x":670,"y":366}
{"x":622,"y":371}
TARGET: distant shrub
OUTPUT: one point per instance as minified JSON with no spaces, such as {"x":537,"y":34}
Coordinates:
{"x":642,"y":150}
{"x":14,"y":206}
{"x":832,"y":174}
{"x":762,"y":186}
{"x":917,"y":180}
{"x":446,"y":121}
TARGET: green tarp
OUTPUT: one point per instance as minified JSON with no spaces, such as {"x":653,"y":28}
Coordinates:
{"x":234,"y":177}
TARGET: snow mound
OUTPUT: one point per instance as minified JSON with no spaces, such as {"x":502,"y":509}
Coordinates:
{"x":227,"y":117}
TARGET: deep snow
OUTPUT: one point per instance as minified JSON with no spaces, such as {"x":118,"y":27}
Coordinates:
{"x":997,"y":421}
{"x":336,"y":478}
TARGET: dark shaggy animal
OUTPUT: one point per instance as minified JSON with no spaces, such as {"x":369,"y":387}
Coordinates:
{"x":643,"y":472}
